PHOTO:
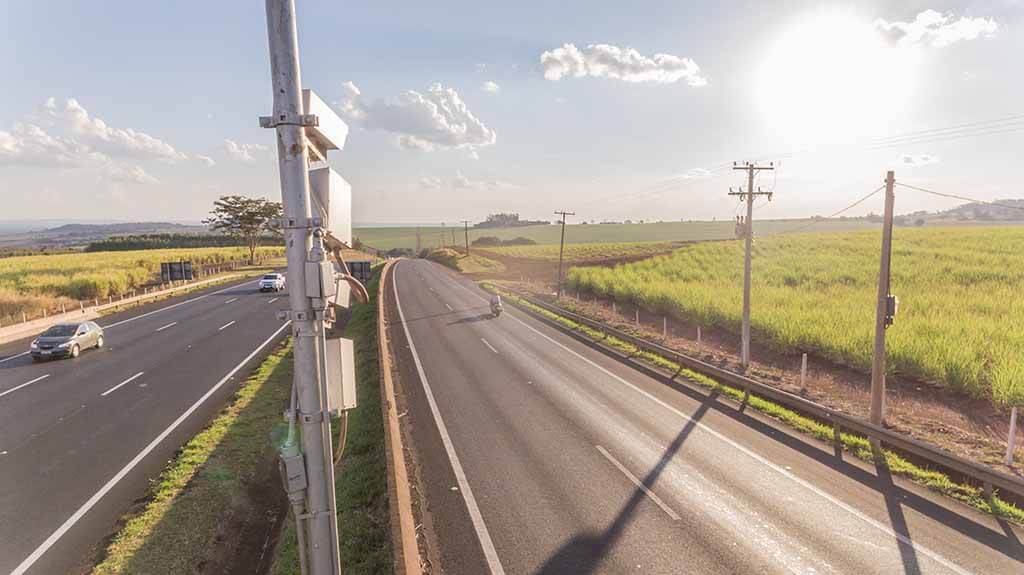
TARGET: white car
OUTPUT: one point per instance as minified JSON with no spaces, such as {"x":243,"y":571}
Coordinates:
{"x":272,"y":282}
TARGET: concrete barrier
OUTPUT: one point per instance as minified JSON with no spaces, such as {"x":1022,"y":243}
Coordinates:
{"x":404,"y":546}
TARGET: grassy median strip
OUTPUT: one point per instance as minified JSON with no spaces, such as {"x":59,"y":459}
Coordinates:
{"x":855,"y":444}
{"x":207,"y":482}
{"x":361,"y":478}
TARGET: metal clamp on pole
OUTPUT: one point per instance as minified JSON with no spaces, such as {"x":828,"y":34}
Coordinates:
{"x":290,"y":119}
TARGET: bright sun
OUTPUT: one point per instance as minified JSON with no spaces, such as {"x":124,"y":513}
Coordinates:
{"x":828,"y":78}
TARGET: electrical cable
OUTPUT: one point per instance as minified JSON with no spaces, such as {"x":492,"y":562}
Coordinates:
{"x":956,"y":197}
{"x":832,"y":215}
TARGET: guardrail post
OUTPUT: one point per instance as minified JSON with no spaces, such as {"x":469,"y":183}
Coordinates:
{"x":698,"y":335}
{"x":24,"y":318}
{"x":1011,"y":440}
{"x":664,"y":326}
{"x":44,"y":312}
{"x":803,"y":373}
{"x":95,"y":302}
{"x":636,"y":316}
{"x":63,"y":308}
{"x":614,"y":307}
{"x":837,"y":439}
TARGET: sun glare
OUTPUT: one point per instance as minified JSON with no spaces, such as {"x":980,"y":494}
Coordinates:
{"x":829,"y":78}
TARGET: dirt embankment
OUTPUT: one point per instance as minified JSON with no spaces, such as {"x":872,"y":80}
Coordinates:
{"x":969,"y":427}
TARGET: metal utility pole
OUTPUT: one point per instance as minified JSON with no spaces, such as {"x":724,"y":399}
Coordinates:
{"x":749,"y":195}
{"x":561,"y":249}
{"x":465,"y":224}
{"x":884,"y":311}
{"x":289,"y":120}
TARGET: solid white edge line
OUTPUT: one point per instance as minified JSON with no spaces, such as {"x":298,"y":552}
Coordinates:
{"x":657,"y":501}
{"x":172,"y":306}
{"x":172,"y":324}
{"x":489,"y":346}
{"x":460,"y":475}
{"x":14,"y":356}
{"x":809,"y":486}
{"x":225,"y":326}
{"x":25,"y":565}
{"x":13,"y":389}
{"x":118,"y":386}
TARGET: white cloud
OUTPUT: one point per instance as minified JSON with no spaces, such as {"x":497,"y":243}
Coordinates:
{"x":917,"y":160}
{"x":435,"y":119}
{"x":130,"y":174}
{"x":430,"y":182}
{"x":243,"y":152}
{"x":490,"y":86}
{"x":206,"y":160}
{"x":461,"y":182}
{"x":607,"y":61}
{"x":934,"y":28}
{"x":29,"y":144}
{"x":110,"y":140}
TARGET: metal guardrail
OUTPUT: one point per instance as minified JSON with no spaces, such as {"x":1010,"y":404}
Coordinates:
{"x":987,"y":476}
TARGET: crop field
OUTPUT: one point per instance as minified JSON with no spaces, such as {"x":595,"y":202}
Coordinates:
{"x":583,"y":253}
{"x":30,"y":283}
{"x":431,"y":237}
{"x":961,"y":316}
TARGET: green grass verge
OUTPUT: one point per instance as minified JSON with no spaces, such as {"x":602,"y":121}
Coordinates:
{"x":855,"y":444}
{"x":206,"y":482}
{"x":361,"y":479}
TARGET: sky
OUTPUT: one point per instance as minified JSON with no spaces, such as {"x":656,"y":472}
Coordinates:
{"x":149,"y":110}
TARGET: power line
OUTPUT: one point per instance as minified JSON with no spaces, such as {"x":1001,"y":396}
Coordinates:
{"x":983,"y":125}
{"x":956,"y":197}
{"x":832,"y":215}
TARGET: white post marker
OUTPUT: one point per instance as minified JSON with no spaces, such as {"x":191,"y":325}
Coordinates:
{"x":1011,"y":440}
{"x":803,"y":372}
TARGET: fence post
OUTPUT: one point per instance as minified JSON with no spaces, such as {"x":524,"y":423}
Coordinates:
{"x":664,"y":326}
{"x":1011,"y":440}
{"x":81,"y":306}
{"x":698,"y":335}
{"x":803,"y":373}
{"x":95,"y":302}
{"x":63,"y":308}
{"x":614,"y":307}
{"x":636,"y":316}
{"x":24,"y":318}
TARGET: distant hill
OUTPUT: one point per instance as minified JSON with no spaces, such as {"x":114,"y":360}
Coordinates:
{"x":77,"y":235}
{"x":1007,"y":210}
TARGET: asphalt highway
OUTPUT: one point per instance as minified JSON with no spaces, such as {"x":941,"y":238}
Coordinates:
{"x":540,"y":454}
{"x":80,"y":439}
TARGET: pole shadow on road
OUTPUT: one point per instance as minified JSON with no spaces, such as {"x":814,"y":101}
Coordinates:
{"x":1004,"y":541}
{"x":583,"y":553}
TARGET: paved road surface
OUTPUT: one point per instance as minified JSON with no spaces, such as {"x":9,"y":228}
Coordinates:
{"x":569,"y":461}
{"x":72,"y":431}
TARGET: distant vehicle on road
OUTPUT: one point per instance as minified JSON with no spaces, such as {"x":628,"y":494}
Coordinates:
{"x":272,"y":282}
{"x":66,"y":340}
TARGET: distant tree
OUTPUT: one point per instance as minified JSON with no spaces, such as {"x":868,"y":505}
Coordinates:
{"x":251,"y":219}
{"x":487,"y":241}
{"x":919,"y":222}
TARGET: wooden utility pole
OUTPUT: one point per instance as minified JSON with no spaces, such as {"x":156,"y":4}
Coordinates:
{"x":561,"y":249}
{"x":465,"y":227}
{"x":884,"y":311}
{"x":748,"y":232}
